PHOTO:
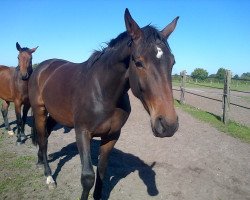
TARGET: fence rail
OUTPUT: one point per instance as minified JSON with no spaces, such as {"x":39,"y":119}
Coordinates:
{"x":219,"y":88}
{"x":200,"y":95}
{"x":226,"y":93}
{"x":179,"y":78}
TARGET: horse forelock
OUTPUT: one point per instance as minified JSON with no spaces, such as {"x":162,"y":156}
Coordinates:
{"x":24,"y":49}
{"x":154,"y":36}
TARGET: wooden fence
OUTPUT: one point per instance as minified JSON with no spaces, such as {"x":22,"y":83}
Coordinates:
{"x":225,"y":94}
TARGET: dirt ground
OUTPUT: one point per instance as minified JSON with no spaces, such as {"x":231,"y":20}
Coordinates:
{"x":197,"y":163}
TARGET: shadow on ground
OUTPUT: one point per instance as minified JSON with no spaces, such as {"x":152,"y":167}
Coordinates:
{"x":120,"y":165}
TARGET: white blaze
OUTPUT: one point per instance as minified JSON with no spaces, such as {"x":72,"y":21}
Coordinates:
{"x":159,"y":52}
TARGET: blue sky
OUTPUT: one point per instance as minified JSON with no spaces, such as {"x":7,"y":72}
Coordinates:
{"x":210,"y":33}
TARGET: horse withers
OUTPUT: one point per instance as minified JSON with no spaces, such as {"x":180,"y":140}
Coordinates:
{"x":93,"y":96}
{"x":14,"y":88}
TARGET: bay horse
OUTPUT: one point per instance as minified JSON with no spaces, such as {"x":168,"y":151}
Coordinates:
{"x":14,"y":88}
{"x":93,"y":96}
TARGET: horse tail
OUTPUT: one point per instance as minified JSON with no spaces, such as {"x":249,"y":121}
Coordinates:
{"x":33,"y":136}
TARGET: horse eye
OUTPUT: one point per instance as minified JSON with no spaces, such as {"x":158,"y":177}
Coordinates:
{"x":139,"y":64}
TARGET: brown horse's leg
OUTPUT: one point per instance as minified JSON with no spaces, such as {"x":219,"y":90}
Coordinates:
{"x":107,"y":144}
{"x":26,"y":108}
{"x":18,"y":121}
{"x":88,"y":175}
{"x":50,"y":124}
{"x":4,"y":109}
{"x":40,"y":115}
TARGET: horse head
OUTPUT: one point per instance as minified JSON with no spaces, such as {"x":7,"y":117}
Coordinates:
{"x":25,"y":61}
{"x":150,"y":69}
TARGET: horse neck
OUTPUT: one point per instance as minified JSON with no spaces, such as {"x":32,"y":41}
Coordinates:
{"x":112,"y":71}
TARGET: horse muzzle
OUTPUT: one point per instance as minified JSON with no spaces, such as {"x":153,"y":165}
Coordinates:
{"x":25,"y":76}
{"x":162,"y":128}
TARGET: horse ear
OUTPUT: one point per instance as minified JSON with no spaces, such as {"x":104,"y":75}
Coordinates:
{"x":132,"y":27}
{"x":18,"y":47}
{"x":169,"y":28}
{"x":33,"y":49}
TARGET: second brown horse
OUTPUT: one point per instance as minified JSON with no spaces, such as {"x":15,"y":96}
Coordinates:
{"x":14,"y":88}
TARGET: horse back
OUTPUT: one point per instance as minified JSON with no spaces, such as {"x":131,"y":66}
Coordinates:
{"x":6,"y":83}
{"x":43,"y":71}
{"x":49,"y":87}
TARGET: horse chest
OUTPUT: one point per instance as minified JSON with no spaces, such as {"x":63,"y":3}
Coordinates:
{"x":21,"y":90}
{"x":112,"y":123}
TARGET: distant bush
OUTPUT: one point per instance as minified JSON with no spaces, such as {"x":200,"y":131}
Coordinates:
{"x":199,"y":73}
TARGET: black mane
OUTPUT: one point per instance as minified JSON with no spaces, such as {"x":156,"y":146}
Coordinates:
{"x":150,"y":33}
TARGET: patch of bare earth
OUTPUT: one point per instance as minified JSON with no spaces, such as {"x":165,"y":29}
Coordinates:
{"x":198,"y":162}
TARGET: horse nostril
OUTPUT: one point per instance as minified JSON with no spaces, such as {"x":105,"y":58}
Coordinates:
{"x":162,"y":128}
{"x":25,"y":77}
{"x":159,"y":125}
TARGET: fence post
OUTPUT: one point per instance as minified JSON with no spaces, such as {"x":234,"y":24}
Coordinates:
{"x":182,"y":87}
{"x":226,"y":96}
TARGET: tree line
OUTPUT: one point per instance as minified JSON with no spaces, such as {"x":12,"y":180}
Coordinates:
{"x":202,"y":74}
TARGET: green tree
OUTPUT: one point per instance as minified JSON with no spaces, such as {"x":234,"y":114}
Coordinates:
{"x":35,"y":65}
{"x":212,"y":76}
{"x":236,"y":76}
{"x":245,"y":75}
{"x":199,"y":73}
{"x":220,"y":73}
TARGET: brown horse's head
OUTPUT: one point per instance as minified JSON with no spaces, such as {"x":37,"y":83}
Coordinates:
{"x":25,"y":61}
{"x":150,"y":71}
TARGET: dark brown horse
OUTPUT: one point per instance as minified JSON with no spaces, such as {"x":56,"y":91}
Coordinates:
{"x":93,"y":96}
{"x":14,"y":88}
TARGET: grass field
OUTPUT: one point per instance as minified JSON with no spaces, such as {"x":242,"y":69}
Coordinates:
{"x":11,"y":181}
{"x":232,"y":128}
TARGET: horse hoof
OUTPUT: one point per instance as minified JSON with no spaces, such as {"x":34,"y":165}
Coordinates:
{"x":51,"y":183}
{"x":52,"y":186}
{"x":19,"y":143}
{"x":23,"y":137}
{"x":11,"y":133}
{"x":51,"y":156}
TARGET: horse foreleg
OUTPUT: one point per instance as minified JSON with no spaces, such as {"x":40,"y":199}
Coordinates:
{"x":19,"y":122}
{"x":4,"y":110}
{"x":107,"y":144}
{"x":88,"y":175}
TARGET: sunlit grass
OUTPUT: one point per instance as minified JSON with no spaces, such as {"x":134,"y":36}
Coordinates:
{"x":16,"y":173}
{"x":232,"y":128}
